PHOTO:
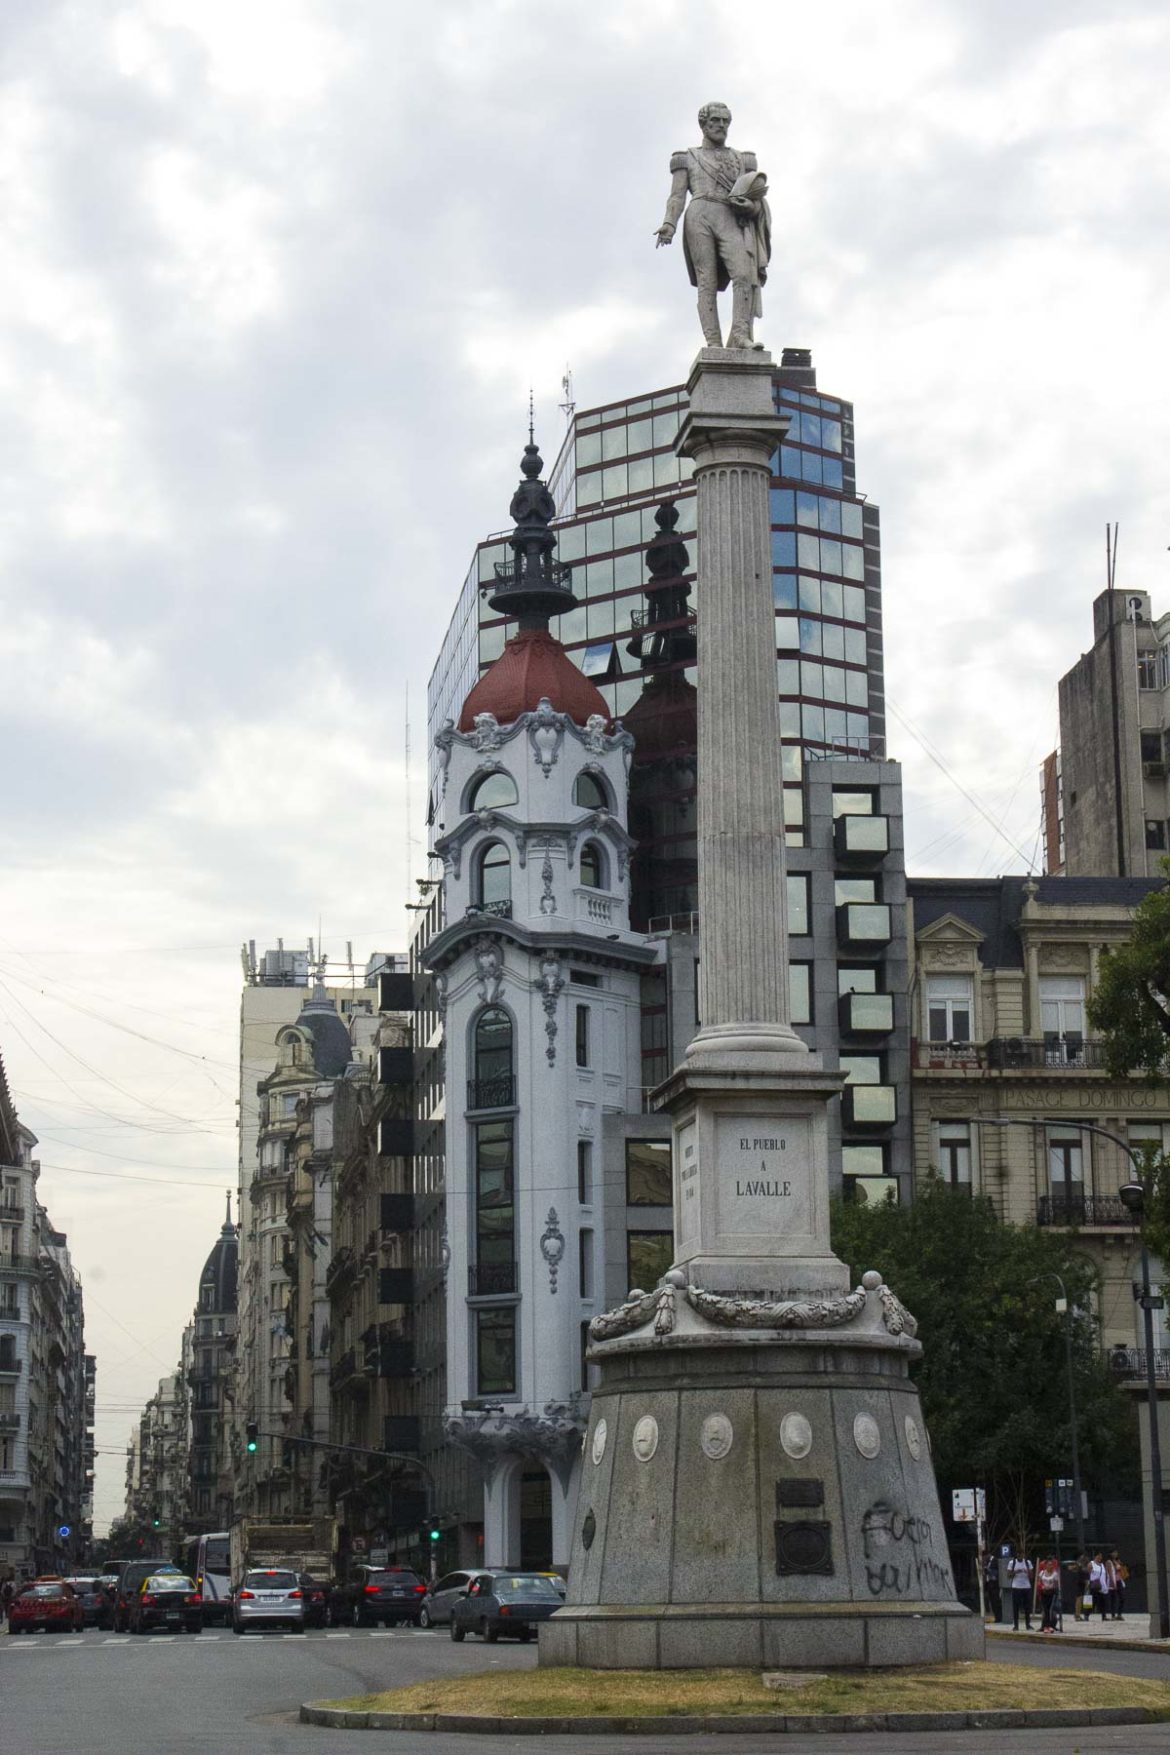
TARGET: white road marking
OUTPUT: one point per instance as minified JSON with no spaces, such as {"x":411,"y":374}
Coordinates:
{"x":337,"y":1636}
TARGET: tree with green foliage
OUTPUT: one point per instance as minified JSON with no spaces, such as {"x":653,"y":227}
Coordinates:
{"x":1129,"y":1007}
{"x":993,"y":1376}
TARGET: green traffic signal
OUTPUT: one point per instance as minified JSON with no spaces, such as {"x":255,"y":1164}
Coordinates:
{"x":435,"y":1532}
{"x":252,"y":1432}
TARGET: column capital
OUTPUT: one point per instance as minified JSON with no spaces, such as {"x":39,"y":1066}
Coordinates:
{"x":731,"y":409}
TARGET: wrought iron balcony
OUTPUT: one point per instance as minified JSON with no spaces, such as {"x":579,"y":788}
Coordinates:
{"x":498,"y":1093}
{"x":1130,"y":1362}
{"x":345,"y":1368}
{"x":11,"y":1367}
{"x":1049,"y":1053}
{"x":1084,"y":1210}
{"x":489,"y":1279}
{"x":341,"y":1266}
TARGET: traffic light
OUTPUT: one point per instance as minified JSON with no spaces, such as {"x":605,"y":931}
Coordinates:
{"x":157,"y":1522}
{"x":435,"y":1531}
{"x":252,"y":1433}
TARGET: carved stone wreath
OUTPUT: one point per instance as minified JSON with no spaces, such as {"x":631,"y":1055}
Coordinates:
{"x":749,"y":1313}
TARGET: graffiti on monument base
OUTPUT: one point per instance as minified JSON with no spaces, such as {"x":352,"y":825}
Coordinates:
{"x":899,"y":1554}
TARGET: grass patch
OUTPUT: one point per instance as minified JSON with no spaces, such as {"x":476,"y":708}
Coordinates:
{"x":570,"y":1693}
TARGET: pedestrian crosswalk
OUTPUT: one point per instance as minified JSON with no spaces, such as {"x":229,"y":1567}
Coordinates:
{"x":155,"y":1641}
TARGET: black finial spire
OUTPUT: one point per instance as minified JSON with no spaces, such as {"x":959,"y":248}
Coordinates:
{"x":227,"y":1223}
{"x":533,"y":586}
{"x":666,"y":629}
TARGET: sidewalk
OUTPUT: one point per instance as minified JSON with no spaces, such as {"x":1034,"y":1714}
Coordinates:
{"x":1131,"y":1634}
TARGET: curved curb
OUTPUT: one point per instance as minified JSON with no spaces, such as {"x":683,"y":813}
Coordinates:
{"x":779,"y":1723}
{"x":1153,"y":1647}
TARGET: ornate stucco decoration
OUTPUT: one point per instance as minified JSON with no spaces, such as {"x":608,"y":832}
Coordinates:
{"x":546,"y":733}
{"x":548,"y":902}
{"x":872,"y":1308}
{"x":489,"y":964}
{"x":550,"y":984}
{"x":552,"y":1247}
{"x":486,"y":735}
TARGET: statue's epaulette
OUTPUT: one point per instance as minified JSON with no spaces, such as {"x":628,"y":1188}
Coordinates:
{"x":749,"y":161}
{"x":678,"y":161}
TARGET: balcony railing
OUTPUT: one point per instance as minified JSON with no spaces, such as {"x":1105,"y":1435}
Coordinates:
{"x":499,"y":1093}
{"x":1082,"y":1209}
{"x":18,"y":1264}
{"x":1130,"y":1362}
{"x":11,"y":1367}
{"x":9,"y":1422}
{"x":488,"y":1279}
{"x":595,"y":905}
{"x":1053,"y":1053}
{"x":345,"y":1368}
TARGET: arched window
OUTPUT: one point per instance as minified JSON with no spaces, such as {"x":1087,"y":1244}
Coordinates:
{"x":492,"y":792}
{"x":495,"y":877}
{"x":589,"y":791}
{"x":592,"y":866}
{"x":491,"y":1087}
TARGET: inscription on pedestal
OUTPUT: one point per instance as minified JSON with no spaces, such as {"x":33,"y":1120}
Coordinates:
{"x":763,"y":1168}
{"x":687,"y":1212}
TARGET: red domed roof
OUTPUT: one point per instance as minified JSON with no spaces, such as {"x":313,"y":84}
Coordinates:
{"x":663,"y":721}
{"x":531,"y":666}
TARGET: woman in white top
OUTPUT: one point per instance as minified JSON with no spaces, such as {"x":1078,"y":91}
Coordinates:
{"x":1020,"y":1573}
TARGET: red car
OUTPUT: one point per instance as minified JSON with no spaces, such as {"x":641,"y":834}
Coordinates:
{"x":49,"y":1603}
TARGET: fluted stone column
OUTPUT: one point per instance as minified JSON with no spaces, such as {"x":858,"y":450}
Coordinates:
{"x":730,"y":432}
{"x":748,"y":1104}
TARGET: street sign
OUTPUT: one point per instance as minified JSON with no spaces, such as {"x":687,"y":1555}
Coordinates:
{"x":1056,"y":1524}
{"x":968,"y":1504}
{"x":64,"y":1531}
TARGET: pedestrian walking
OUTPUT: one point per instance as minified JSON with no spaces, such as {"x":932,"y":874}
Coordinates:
{"x":1121,"y":1579}
{"x":1099,"y":1584}
{"x":6,"y":1596}
{"x":1020,"y":1573}
{"x":1048,"y":1585}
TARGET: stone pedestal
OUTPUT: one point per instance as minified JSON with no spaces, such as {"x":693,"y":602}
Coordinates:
{"x":759,"y":1498}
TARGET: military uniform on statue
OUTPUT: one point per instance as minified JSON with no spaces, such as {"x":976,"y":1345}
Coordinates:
{"x":757,"y":1487}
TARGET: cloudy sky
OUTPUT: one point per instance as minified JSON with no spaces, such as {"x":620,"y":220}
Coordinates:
{"x":277,"y":276}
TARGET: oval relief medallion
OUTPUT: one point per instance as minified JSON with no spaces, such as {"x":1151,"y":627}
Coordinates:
{"x":796,"y":1436}
{"x":600,"y":1434}
{"x":866,"y":1435}
{"x":913,"y":1437}
{"x":645,"y":1438}
{"x":716,"y":1436}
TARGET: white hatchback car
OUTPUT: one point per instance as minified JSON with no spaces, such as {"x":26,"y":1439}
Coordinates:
{"x":268,"y":1598}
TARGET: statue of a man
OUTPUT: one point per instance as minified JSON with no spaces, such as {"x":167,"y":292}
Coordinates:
{"x":727,"y":232}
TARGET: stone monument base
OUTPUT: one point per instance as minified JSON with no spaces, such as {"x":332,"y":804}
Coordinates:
{"x":758,"y":1498}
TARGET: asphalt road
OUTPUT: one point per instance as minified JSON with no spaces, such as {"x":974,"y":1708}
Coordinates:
{"x":217,"y":1695}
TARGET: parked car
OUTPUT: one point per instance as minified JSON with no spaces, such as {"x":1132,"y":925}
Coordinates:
{"x":268,"y":1598}
{"x":442,"y":1597}
{"x":130,"y":1581}
{"x":316,"y":1594}
{"x":49,"y":1604}
{"x":504,"y":1603}
{"x":167,"y":1599}
{"x":95,"y":1604}
{"x":377,"y":1593}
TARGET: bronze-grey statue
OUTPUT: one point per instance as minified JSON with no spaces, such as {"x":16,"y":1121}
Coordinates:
{"x":727,"y":232}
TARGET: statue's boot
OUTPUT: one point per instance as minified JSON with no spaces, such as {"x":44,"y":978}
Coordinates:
{"x":709,"y":318}
{"x":742,"y":302}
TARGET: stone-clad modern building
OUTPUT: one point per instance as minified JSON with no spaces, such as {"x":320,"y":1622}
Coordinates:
{"x":1106,"y":802}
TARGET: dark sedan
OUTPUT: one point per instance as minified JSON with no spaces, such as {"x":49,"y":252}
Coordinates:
{"x":377,"y":1593}
{"x":167,"y":1599}
{"x":505,"y":1603}
{"x":95,"y":1604}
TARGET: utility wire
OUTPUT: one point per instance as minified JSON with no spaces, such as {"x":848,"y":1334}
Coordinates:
{"x":933,"y":755}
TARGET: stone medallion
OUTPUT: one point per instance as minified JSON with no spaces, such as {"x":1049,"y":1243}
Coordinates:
{"x":796,"y":1436}
{"x":600,"y":1434}
{"x":866,"y":1435}
{"x":645,"y":1438}
{"x":913,"y":1437}
{"x":716,"y":1436}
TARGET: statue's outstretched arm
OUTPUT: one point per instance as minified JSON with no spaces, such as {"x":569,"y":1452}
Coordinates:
{"x":674,"y":207}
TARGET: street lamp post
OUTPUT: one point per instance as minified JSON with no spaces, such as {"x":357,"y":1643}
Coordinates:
{"x":1132,"y":1196}
{"x":1063,"y":1304}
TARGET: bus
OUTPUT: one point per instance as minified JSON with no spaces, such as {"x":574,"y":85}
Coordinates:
{"x":205,"y":1559}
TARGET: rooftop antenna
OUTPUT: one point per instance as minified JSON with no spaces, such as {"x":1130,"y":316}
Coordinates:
{"x":568,"y":406}
{"x":531,"y":422}
{"x":349,"y":960}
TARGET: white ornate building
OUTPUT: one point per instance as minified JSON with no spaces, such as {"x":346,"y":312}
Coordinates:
{"x":539,"y":976}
